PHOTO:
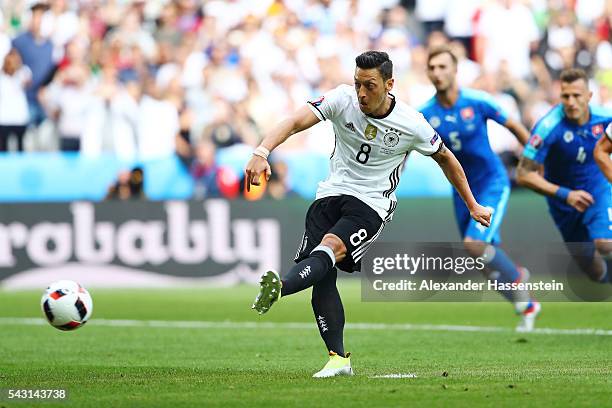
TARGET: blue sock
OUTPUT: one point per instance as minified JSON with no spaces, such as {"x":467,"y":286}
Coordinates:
{"x":502,"y":267}
{"x":501,"y":262}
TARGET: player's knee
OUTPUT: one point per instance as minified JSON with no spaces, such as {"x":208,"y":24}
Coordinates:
{"x":332,"y":241}
{"x":475,"y":248}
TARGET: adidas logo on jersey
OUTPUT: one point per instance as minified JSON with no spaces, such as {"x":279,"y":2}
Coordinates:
{"x":305,"y":272}
{"x":350,"y":126}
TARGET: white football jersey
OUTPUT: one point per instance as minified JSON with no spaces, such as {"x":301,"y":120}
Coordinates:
{"x":370,"y":151}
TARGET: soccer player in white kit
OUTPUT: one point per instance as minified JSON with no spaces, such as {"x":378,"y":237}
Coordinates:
{"x":374,"y":133}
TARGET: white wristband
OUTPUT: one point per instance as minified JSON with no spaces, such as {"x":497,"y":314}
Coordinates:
{"x":262,"y":152}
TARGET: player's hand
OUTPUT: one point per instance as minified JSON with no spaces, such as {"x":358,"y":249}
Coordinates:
{"x":254,"y":169}
{"x":481,"y":214}
{"x":580,"y":200}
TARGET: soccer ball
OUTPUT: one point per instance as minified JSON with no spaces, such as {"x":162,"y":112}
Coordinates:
{"x":66,"y":305}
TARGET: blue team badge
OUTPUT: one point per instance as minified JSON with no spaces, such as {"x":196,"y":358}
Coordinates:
{"x":568,"y":136}
{"x":435,"y":122}
{"x":597,"y":130}
{"x":467,"y":113}
{"x":535,"y":141}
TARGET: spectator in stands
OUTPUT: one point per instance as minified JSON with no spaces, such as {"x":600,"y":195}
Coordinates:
{"x":210,"y":179}
{"x":167,"y":25}
{"x":459,"y":22}
{"x":500,"y":40}
{"x":158,"y":124}
{"x":205,"y":171}
{"x":431,"y":13}
{"x":14,"y":115}
{"x":68,"y":101}
{"x":5,"y":39}
{"x":37,"y":53}
{"x":132,"y":37}
{"x":226,"y":69}
{"x":467,"y":70}
{"x":111,"y":124}
{"x":230,"y":126}
{"x":277,"y":187}
{"x":129,"y":186}
{"x":60,"y":24}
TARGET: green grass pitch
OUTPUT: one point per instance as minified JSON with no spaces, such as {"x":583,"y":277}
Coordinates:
{"x":106,"y":364}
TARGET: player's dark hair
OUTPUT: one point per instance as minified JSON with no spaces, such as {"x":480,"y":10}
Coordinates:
{"x":573,"y":74}
{"x":439,"y":50}
{"x":39,"y":6}
{"x":376,"y":59}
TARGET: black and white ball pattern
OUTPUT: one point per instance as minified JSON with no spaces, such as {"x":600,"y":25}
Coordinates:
{"x":66,"y":305}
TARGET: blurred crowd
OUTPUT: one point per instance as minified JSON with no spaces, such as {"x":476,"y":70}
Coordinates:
{"x":149,"y":79}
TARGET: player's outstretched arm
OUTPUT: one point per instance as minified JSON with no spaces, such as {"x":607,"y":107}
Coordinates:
{"x":529,"y":174}
{"x":301,"y":119}
{"x":454,"y":173}
{"x":518,"y":130}
{"x":602,"y":152}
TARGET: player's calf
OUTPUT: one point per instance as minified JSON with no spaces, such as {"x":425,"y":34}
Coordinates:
{"x":314,"y":268}
{"x":329,"y":312}
{"x":604,"y":250}
{"x":303,"y":275}
{"x":593,"y":258}
{"x":309,"y":271}
{"x":499,"y":266}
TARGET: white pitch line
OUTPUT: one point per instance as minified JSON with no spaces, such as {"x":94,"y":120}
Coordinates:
{"x":409,"y":375}
{"x":26,"y":321}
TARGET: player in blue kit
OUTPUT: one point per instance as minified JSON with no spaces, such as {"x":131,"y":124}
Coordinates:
{"x":579,"y":195}
{"x":460,"y":117}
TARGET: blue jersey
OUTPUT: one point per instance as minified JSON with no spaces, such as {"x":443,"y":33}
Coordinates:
{"x":566,"y":151}
{"x":463,"y":128}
